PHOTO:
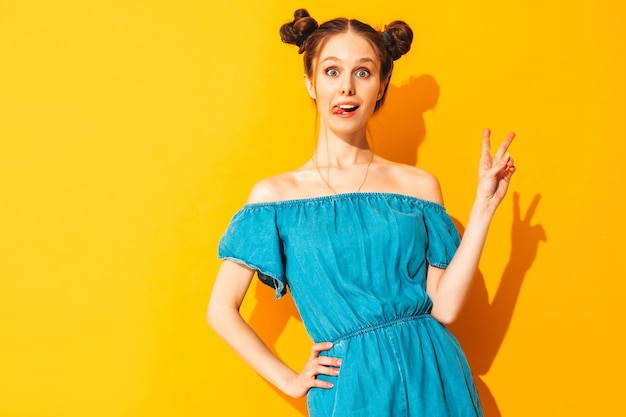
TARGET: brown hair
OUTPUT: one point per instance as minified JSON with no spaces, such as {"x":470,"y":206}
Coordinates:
{"x":389,"y":44}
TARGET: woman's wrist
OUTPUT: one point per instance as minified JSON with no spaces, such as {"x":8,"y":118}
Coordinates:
{"x":483,"y":209}
{"x":285,"y":381}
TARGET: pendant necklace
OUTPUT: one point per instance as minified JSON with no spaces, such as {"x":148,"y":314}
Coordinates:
{"x":327,"y":182}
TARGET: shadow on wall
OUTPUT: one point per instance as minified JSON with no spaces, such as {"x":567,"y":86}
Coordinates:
{"x":396,"y":134}
{"x":482,"y":325}
{"x":269,"y":319}
{"x":398,"y":130}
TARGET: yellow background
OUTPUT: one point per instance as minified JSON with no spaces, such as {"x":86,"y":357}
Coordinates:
{"x":131,"y":131}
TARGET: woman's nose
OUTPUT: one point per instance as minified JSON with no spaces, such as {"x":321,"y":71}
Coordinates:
{"x":347,"y":87}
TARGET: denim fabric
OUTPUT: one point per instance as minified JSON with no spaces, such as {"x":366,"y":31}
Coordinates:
{"x":356,"y":266}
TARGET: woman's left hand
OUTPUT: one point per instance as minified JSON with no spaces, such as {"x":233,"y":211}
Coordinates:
{"x":494,"y":172}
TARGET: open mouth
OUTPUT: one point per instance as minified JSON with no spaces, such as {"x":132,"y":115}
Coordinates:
{"x":344,"y":108}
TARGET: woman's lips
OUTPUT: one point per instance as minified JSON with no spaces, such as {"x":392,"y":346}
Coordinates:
{"x":340,"y":109}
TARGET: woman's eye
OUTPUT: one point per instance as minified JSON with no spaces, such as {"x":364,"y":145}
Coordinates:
{"x":332,"y":72}
{"x":362,"y":73}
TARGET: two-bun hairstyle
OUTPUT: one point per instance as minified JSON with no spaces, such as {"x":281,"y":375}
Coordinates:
{"x":309,"y":36}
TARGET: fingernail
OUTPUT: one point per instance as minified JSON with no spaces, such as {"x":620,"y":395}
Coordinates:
{"x":338,"y":362}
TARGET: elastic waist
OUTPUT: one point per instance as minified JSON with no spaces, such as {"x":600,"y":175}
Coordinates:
{"x":380,"y":325}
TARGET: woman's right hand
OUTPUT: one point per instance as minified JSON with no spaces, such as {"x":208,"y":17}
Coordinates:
{"x":494,"y":172}
{"x":300,"y":383}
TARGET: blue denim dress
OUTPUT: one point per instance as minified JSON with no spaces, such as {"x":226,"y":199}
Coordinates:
{"x":356,"y":265}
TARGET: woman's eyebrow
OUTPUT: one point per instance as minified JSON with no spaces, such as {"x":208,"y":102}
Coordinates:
{"x":361,"y":60}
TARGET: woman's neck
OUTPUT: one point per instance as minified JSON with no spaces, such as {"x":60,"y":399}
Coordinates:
{"x":335,"y":151}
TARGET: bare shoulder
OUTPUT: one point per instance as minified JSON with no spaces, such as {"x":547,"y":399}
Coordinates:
{"x":271,"y":189}
{"x":413,"y":181}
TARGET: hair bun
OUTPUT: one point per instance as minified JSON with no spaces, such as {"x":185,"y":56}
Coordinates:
{"x":297,"y":31}
{"x":398,"y":37}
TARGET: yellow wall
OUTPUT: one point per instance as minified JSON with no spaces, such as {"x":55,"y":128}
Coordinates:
{"x":131,"y":131}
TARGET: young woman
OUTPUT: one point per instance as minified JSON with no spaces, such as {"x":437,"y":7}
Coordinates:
{"x":374,"y":263}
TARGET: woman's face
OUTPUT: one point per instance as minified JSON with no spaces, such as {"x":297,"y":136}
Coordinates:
{"x":346,"y":83}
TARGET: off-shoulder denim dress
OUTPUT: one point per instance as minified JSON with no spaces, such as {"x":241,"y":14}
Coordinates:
{"x":356,"y":266}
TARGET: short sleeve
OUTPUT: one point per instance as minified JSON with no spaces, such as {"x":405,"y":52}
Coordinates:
{"x":443,"y":237}
{"x":252,"y":239}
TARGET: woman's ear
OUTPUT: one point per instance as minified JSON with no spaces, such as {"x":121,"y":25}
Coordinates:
{"x":382,"y":89}
{"x":309,"y":86}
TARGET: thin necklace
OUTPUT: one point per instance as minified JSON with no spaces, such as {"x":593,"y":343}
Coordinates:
{"x":367,"y":169}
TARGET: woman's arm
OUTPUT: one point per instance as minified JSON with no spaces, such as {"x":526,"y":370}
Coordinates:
{"x":448,"y":288}
{"x":231,"y":285}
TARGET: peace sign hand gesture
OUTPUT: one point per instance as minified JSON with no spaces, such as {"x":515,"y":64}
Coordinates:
{"x":494,"y":172}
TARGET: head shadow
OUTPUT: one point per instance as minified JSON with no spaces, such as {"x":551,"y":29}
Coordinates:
{"x":398,"y":129}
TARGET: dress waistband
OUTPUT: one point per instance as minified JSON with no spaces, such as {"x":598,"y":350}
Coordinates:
{"x":381,"y":325}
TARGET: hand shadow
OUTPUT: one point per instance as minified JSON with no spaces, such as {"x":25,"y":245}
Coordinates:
{"x":482,"y":325}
